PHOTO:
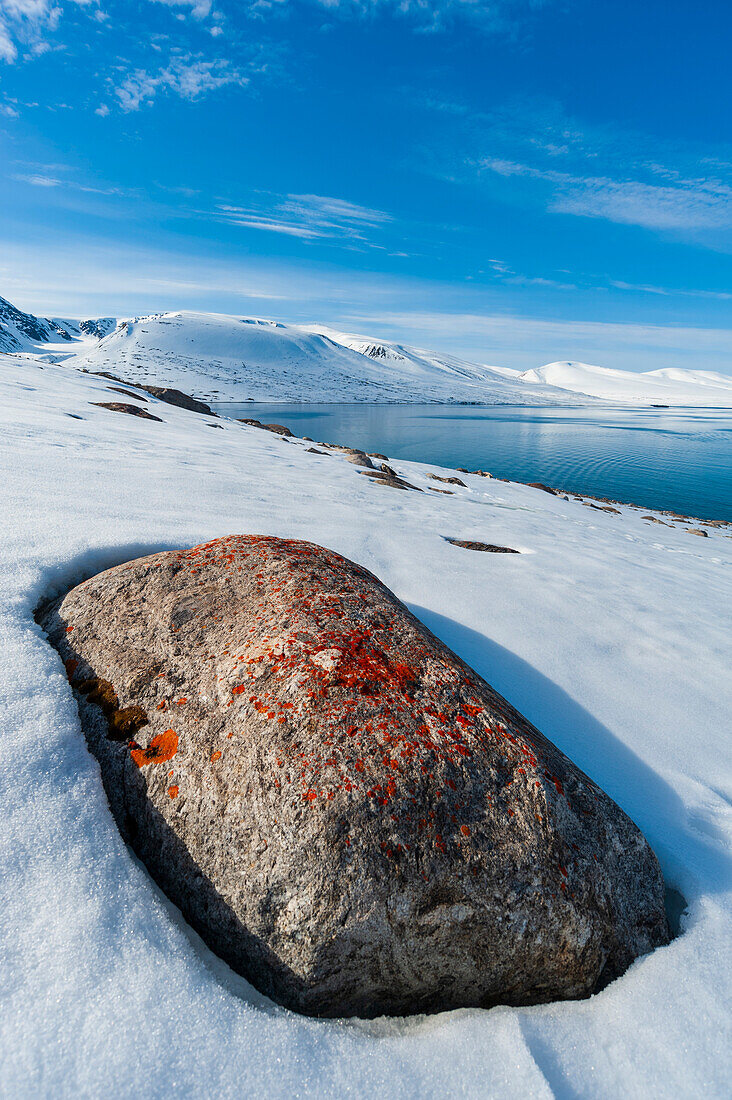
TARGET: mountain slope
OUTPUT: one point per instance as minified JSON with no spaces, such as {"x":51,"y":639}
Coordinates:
{"x":670,"y":386}
{"x":229,"y":358}
{"x":21,"y":331}
{"x":488,"y":385}
{"x":223,"y":358}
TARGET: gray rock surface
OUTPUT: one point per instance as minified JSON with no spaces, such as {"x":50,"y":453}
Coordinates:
{"x":172,"y":396}
{"x":345,"y":811}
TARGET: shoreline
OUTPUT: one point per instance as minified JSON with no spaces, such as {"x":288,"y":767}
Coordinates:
{"x":554,"y":490}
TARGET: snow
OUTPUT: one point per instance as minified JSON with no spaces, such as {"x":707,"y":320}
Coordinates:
{"x":669,"y":386}
{"x":221,"y":358}
{"x":610,"y":633}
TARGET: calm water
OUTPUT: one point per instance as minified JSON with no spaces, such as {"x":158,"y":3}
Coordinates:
{"x":680,"y":459}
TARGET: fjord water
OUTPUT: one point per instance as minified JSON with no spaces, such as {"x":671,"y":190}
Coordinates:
{"x":676,"y":459}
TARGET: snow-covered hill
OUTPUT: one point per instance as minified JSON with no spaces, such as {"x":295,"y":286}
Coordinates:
{"x":425,"y":369}
{"x":218,"y":357}
{"x":222,"y":358}
{"x":671,"y":386}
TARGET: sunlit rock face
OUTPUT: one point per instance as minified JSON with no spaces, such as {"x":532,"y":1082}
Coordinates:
{"x":346,"y":812}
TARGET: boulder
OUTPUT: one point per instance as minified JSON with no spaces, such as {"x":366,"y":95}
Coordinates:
{"x":172,"y":396}
{"x":447,"y":480}
{"x":389,"y":478}
{"x":344,"y":810}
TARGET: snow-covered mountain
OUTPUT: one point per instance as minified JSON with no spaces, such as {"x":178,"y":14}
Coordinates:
{"x":498,"y":385}
{"x":670,"y":386}
{"x":24,"y":332}
{"x":218,"y":357}
{"x":21,"y":331}
{"x":222,"y":358}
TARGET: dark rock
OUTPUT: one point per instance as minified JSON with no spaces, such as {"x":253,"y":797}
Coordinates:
{"x":544,"y":488}
{"x":697,"y":531}
{"x":393,"y":481}
{"x":278,"y":429}
{"x":122,"y":407}
{"x":344,"y":810}
{"x":602,"y":507}
{"x":385,"y":469}
{"x":314,"y":451}
{"x":486,"y":546}
{"x":127,"y":393}
{"x":356,"y":458}
{"x":176,"y":397}
{"x":375,"y":454}
{"x":447,"y":480}
{"x":111,"y":377}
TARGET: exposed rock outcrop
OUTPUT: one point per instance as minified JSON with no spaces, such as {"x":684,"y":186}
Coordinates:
{"x":488,"y":547}
{"x":123,"y":407}
{"x":172,"y":396}
{"x":344,"y":810}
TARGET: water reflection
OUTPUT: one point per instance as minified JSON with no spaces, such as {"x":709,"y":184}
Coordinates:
{"x":680,"y":459}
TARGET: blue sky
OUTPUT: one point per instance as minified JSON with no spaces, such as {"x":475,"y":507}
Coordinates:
{"x":518,"y":181}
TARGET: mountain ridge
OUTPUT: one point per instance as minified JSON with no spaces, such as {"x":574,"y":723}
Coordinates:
{"x":219,"y":357}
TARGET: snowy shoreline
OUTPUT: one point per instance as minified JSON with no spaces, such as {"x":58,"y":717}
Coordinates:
{"x":608,"y":632}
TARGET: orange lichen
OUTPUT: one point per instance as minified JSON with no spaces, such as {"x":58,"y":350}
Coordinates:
{"x":173,"y":791}
{"x":161,"y":748}
{"x":215,"y":756}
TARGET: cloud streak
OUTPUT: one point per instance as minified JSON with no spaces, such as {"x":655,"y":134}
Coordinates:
{"x":308,"y":217}
{"x":689,"y":204}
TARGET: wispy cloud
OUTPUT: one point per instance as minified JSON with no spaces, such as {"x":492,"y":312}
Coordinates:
{"x":30,"y":24}
{"x":308,"y":217}
{"x":37,"y":180}
{"x":188,"y":77}
{"x":689,"y":204}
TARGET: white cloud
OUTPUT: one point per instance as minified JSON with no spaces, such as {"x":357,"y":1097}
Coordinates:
{"x":28,"y":23}
{"x":39,"y":180}
{"x":308,"y":217}
{"x":186,"y":77}
{"x":690,"y":204}
{"x":201,"y":9}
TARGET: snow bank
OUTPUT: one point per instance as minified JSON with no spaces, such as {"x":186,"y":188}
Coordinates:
{"x":669,"y":386}
{"x":608,"y":632}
